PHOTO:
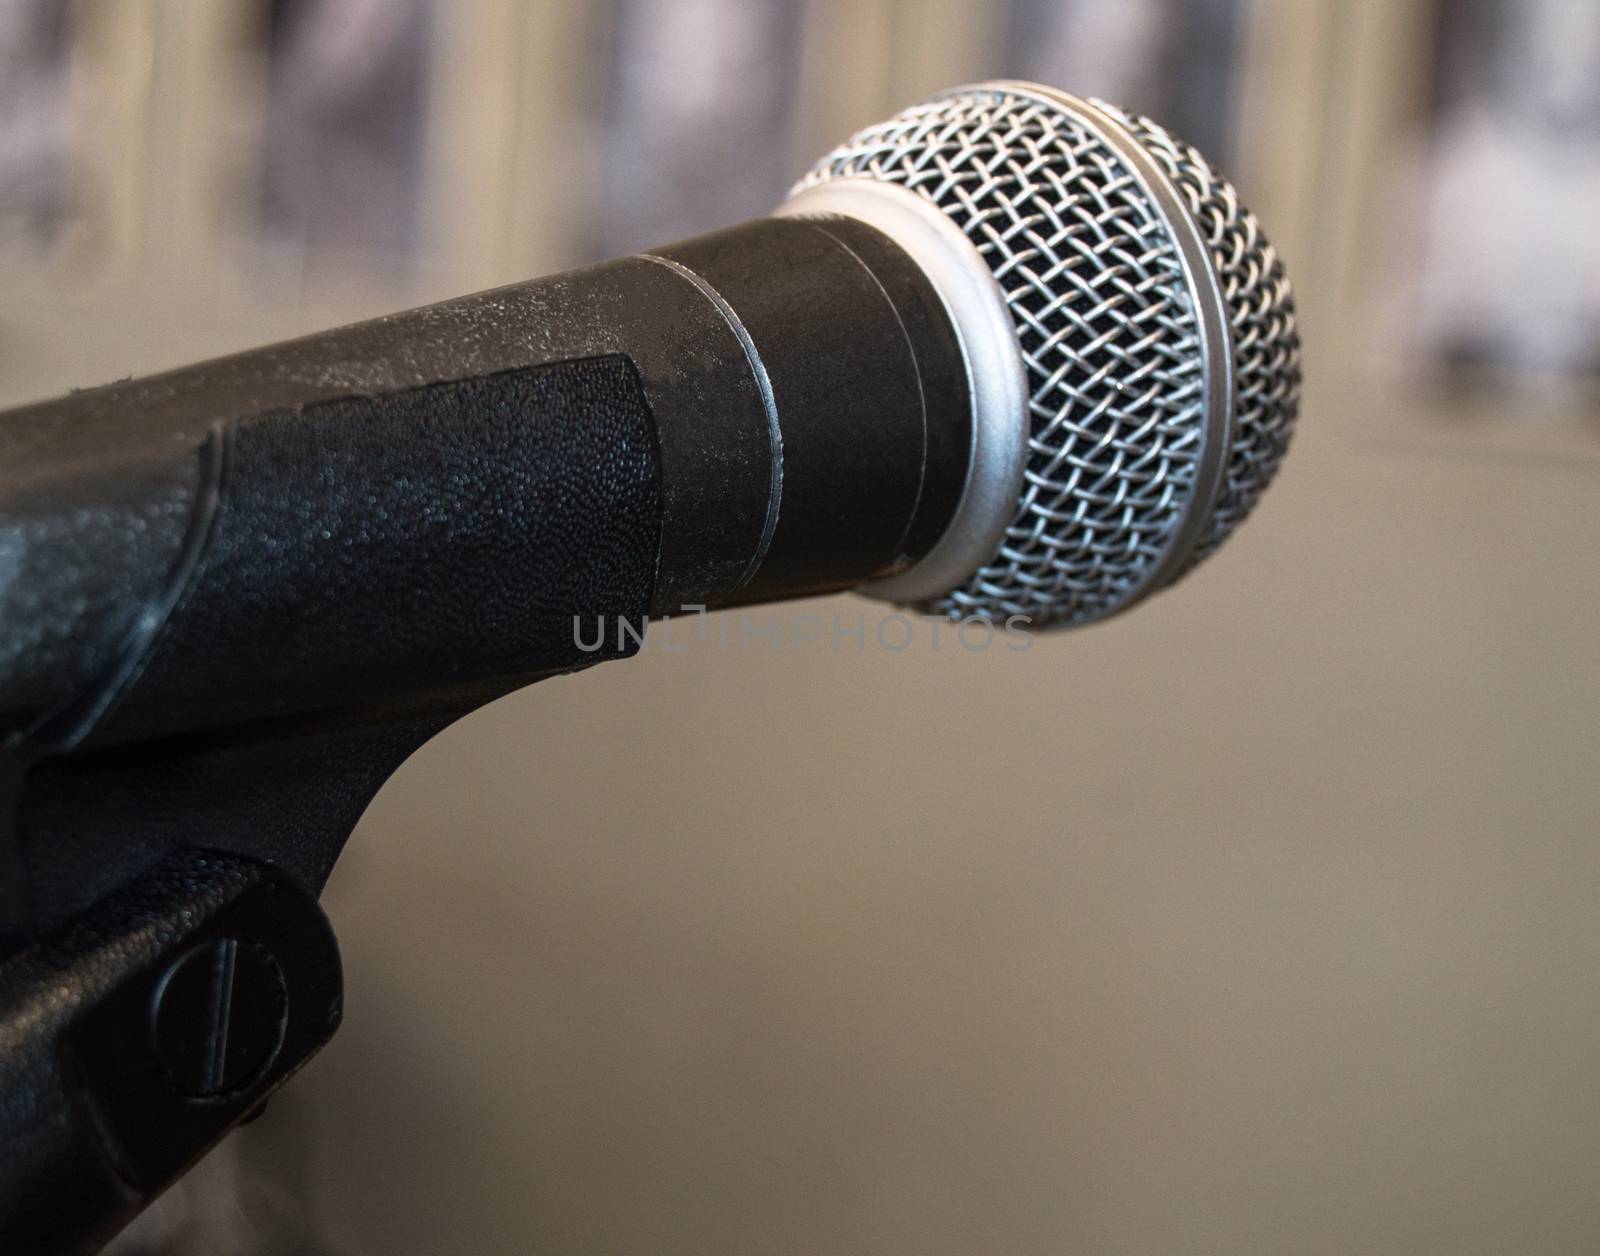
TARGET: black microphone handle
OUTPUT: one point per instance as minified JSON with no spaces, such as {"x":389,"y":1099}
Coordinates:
{"x":424,"y":502}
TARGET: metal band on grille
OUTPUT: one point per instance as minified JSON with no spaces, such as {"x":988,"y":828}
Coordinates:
{"x":1261,"y":314}
{"x":1139,"y":292}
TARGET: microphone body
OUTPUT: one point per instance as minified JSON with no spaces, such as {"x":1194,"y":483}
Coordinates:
{"x":426,"y":501}
{"x":1009,"y":353}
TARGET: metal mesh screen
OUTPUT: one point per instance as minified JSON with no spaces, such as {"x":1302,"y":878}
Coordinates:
{"x":1266,"y":344}
{"x":1104,"y":319}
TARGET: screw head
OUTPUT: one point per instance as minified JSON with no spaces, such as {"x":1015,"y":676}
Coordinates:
{"x":218,"y":1016}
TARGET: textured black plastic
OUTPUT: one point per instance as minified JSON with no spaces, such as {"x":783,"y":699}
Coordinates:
{"x":356,"y":572}
{"x":90,"y":1126}
{"x":371,"y":547}
{"x":102,"y":491}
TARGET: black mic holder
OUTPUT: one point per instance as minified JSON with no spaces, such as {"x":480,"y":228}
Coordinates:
{"x":237,"y":596}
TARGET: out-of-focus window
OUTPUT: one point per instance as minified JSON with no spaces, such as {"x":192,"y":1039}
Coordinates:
{"x":697,"y":122}
{"x":1505,"y":283}
{"x":37,"y":124}
{"x":1177,"y":61}
{"x":341,"y":133}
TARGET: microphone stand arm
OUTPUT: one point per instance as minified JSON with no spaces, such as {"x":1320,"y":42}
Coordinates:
{"x":165,"y":829}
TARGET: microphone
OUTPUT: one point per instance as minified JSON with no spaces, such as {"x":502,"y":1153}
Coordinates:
{"x":1009,"y":353}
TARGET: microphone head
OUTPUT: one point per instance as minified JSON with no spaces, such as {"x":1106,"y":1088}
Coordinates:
{"x":1153,"y":359}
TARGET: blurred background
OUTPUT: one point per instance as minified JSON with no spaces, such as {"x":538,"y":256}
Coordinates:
{"x":1260,"y":920}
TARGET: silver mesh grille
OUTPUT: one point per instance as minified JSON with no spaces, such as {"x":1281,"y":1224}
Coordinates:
{"x":1109,"y":336}
{"x":1266,"y":344}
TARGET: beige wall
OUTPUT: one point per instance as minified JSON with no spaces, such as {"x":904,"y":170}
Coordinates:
{"x":1261,"y":920}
